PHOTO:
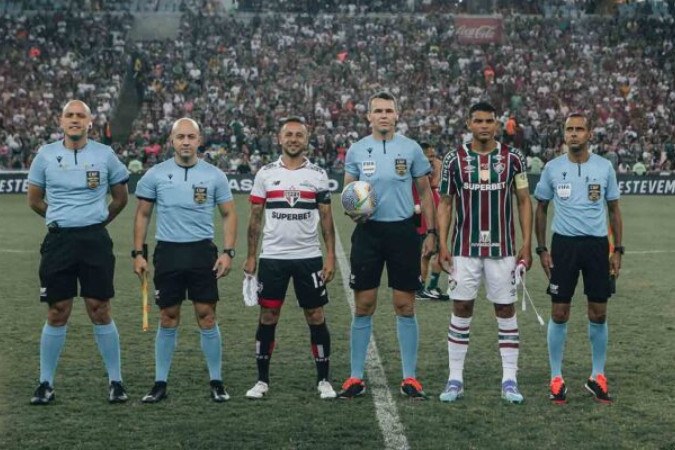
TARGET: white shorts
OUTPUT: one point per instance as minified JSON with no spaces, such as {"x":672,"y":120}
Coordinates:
{"x":500,"y":284}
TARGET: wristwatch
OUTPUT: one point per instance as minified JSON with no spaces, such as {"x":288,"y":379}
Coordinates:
{"x":620,"y":249}
{"x":230,"y":252}
{"x":135,"y":253}
{"x":541,"y":249}
{"x":432,"y":231}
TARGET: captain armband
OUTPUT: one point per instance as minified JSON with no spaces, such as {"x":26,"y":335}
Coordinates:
{"x":521,"y":180}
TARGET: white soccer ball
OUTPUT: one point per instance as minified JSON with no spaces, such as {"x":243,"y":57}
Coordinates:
{"x":358,"y":197}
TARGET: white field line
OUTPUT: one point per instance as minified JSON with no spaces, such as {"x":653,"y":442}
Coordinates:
{"x":385,"y":407}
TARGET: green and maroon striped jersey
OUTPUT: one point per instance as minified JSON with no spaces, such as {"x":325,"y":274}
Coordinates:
{"x":482,"y":186}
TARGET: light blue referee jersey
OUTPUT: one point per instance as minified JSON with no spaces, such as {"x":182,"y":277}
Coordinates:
{"x":185,"y":198}
{"x":76,"y":182}
{"x":579,"y":193}
{"x":389,"y":166}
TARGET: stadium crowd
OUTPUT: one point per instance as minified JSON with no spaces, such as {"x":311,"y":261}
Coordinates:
{"x":49,"y":59}
{"x":240,"y":75}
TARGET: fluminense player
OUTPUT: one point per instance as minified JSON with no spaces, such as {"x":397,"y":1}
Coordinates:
{"x":391,"y":163}
{"x":187,"y":263}
{"x":482,"y":177}
{"x":580,"y":184}
{"x":68,"y":184}
{"x":294,"y":197}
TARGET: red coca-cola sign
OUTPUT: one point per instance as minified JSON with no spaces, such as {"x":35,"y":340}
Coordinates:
{"x":479,"y":29}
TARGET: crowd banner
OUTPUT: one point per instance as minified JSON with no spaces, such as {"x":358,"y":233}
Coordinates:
{"x":472,"y":30}
{"x":17,"y":183}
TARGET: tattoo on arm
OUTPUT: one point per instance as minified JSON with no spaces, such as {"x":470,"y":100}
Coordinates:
{"x":254,"y":224}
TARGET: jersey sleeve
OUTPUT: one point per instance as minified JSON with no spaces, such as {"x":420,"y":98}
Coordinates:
{"x":323,"y":191}
{"x":258,"y":192}
{"x":519,"y":168}
{"x":447,"y":168}
{"x":36,"y":174}
{"x":544,"y":190}
{"x":612,"y":191}
{"x":351,"y":164}
{"x":146,"y":189}
{"x":117,"y":172}
{"x":223,"y":193}
{"x":420,"y":165}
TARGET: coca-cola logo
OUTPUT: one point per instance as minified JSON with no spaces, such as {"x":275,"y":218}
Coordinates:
{"x":481,"y":32}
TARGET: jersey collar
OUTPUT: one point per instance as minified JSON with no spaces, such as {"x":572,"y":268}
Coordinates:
{"x":305,"y":161}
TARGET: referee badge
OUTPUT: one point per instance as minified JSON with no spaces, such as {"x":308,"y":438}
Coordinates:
{"x":93,"y":179}
{"x":564,"y":190}
{"x":594,"y":192}
{"x":401,"y":166}
{"x":199,"y":194}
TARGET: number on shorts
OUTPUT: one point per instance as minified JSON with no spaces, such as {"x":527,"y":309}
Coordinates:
{"x":317,"y":279}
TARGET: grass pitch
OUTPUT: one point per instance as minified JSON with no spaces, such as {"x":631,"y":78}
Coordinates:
{"x":639,"y":368}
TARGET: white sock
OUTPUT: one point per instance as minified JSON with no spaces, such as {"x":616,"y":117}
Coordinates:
{"x":458,"y":345}
{"x":509,"y":341}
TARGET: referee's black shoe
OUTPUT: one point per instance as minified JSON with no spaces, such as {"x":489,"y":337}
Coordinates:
{"x":218,"y":392}
{"x":116,"y":393}
{"x":156,"y":394}
{"x":43,"y":395}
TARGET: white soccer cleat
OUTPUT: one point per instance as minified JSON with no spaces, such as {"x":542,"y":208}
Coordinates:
{"x":259,"y":390}
{"x":325,"y":389}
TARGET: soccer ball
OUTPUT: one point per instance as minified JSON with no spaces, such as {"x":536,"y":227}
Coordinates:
{"x":358,"y":197}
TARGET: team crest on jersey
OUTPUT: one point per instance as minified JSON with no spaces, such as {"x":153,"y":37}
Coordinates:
{"x":292,"y":197}
{"x":594,"y":192}
{"x":368,"y":168}
{"x":498,"y":167}
{"x":199,"y":194}
{"x":93,"y":179}
{"x":401,"y":166}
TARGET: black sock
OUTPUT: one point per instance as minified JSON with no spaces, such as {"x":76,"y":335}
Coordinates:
{"x":264,"y":346}
{"x":320,"y":338}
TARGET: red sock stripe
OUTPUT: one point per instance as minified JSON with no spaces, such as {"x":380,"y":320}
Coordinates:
{"x":459,"y":328}
{"x":508,"y":345}
{"x":458,"y":342}
{"x":270,"y":303}
{"x":515,"y":330}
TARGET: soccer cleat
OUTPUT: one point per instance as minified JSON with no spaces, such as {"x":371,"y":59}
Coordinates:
{"x":558,"y":391}
{"x":156,"y":394}
{"x":510,"y":392}
{"x":454,"y":390}
{"x":218,"y":392}
{"x":43,"y":394}
{"x":598,"y":388}
{"x":116,"y":393}
{"x":435,"y":294}
{"x":420,"y":294}
{"x":352,"y":387}
{"x":259,"y":390}
{"x":326,"y":391}
{"x":412,"y":388}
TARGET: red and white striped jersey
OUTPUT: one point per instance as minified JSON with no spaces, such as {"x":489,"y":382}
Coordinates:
{"x":483,"y":222}
{"x":291,"y":198}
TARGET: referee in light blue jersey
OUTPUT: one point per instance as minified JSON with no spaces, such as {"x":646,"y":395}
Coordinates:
{"x":390,"y":162}
{"x":187,"y":264}
{"x":580,"y":184}
{"x":68,"y":184}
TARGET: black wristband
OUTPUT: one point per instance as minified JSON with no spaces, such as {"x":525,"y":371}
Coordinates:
{"x":620,"y":249}
{"x":541,"y":249}
{"x":432,"y":231}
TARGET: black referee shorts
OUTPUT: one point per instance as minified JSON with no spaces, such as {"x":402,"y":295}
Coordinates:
{"x":69,"y":255}
{"x":395,"y":244}
{"x":571,"y":255}
{"x":184,"y":270}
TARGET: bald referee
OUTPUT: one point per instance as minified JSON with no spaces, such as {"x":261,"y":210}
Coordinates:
{"x":187,"y":262}
{"x":68,"y":184}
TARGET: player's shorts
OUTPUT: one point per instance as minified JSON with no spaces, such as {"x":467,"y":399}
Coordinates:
{"x":274,"y":276}
{"x":498,"y":273}
{"x":588,"y":254}
{"x":395,"y":244}
{"x":184,"y":270}
{"x":69,"y":255}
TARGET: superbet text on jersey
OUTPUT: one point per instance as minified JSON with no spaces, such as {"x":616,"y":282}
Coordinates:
{"x":482,"y":184}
